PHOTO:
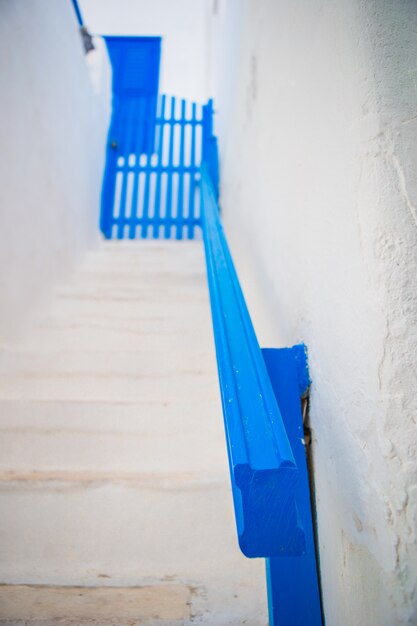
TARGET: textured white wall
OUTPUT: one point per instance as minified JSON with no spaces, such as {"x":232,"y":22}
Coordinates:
{"x":182,"y":24}
{"x":319,"y":193}
{"x":53,"y":129}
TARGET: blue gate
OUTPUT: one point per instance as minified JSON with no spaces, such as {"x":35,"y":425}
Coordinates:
{"x":154,"y":154}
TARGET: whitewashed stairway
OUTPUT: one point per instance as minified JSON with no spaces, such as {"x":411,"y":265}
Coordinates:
{"x":114,"y":492}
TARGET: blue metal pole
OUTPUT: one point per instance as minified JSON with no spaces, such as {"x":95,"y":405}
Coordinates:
{"x":78,"y":12}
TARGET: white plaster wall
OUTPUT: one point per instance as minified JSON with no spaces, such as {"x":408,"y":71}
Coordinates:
{"x":52,"y":133}
{"x":100,"y":71}
{"x":182,"y":24}
{"x":319,"y":196}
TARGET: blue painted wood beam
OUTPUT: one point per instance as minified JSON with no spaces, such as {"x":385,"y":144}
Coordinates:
{"x":263,"y":469}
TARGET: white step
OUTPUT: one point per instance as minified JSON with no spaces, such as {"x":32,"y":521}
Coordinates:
{"x":88,"y":531}
{"x":113,"y":466}
{"x":49,"y":605}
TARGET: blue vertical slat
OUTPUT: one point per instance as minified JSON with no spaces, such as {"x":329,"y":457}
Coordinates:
{"x":149,"y":127}
{"x":157,"y":209}
{"x":180,"y":200}
{"x":126,"y":150}
{"x":209,"y":148}
{"x":210,"y":153}
{"x":191,"y":199}
{"x":168,"y":210}
{"x":108,"y":191}
{"x":138,"y":134}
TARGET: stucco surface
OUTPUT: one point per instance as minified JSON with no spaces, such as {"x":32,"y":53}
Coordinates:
{"x":52,"y":132}
{"x":319,"y":189}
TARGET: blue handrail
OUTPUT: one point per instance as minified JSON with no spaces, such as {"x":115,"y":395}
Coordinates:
{"x":262,"y":465}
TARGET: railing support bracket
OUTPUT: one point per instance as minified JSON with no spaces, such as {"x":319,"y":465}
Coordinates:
{"x":292,"y":581}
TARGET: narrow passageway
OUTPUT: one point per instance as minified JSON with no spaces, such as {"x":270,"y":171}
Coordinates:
{"x":114,"y":473}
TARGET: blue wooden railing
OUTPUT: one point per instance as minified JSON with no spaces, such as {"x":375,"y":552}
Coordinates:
{"x":262,"y":464}
{"x":260,"y":391}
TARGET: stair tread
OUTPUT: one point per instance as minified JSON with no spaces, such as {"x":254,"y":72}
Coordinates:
{"x":114,"y":468}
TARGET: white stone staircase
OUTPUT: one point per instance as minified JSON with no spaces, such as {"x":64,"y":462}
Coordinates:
{"x":114,"y":489}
